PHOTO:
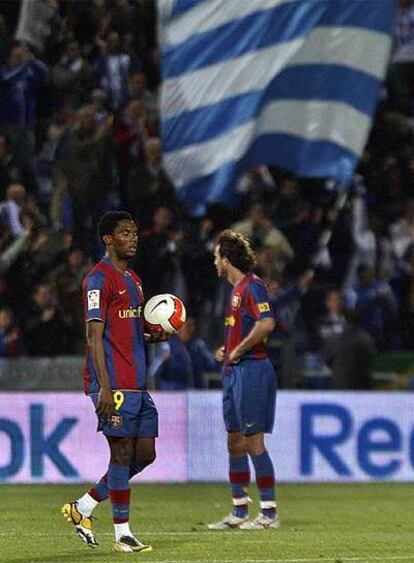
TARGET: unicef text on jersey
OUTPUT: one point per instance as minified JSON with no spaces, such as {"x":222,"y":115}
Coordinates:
{"x":49,"y":437}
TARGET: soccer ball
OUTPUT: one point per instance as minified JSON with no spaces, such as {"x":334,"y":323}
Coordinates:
{"x":166,"y":312}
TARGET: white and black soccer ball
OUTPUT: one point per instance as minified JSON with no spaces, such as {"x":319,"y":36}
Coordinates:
{"x":166,"y":312}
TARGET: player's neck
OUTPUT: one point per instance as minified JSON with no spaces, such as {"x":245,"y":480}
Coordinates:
{"x":235,"y":276}
{"x":119,"y":263}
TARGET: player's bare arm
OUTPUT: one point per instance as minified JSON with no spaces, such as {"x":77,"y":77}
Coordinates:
{"x":261,"y":329}
{"x":94,"y":336}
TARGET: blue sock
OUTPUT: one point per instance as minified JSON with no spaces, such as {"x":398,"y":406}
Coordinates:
{"x":119,"y":491}
{"x":239,"y":474}
{"x":265,"y":480}
{"x":100,"y":491}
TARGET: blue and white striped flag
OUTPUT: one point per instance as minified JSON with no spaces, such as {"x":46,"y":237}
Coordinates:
{"x":249,"y":82}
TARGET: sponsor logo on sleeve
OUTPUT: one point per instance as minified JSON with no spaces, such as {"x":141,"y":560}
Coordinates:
{"x":94,"y":296}
{"x":263,"y":307}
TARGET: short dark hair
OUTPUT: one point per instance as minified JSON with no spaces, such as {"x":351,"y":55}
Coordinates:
{"x":109,"y":222}
{"x":236,"y":248}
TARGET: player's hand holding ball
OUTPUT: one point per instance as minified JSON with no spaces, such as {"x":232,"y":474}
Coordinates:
{"x":164,"y":314}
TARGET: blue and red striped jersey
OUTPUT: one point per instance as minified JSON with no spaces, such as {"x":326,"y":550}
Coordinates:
{"x":116,"y":298}
{"x":249,"y":303}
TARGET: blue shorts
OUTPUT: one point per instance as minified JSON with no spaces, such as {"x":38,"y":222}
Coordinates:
{"x":249,"y":397}
{"x":135,"y":415}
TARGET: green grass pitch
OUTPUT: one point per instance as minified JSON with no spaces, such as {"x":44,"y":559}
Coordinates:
{"x":338,"y":523}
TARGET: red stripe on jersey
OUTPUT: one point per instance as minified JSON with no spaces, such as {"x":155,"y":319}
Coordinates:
{"x":234,"y":328}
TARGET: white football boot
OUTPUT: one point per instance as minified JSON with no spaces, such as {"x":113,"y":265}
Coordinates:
{"x":229,"y":522}
{"x":261,"y":523}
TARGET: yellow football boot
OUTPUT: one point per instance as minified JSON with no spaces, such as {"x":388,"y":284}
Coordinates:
{"x":83,"y":524}
{"x":131,"y":544}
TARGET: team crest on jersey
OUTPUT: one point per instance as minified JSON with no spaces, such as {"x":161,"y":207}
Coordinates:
{"x":235,"y":302}
{"x":116,"y":420}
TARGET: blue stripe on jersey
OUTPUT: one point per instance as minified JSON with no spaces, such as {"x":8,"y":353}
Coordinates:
{"x":139,"y":351}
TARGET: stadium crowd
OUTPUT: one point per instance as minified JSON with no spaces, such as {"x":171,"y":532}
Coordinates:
{"x":79,"y":134}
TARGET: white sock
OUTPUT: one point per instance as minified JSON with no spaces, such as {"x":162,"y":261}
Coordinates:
{"x":122,"y":530}
{"x":87,"y":504}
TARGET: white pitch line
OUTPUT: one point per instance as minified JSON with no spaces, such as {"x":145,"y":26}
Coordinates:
{"x":320,"y":559}
{"x":323,"y":559}
{"x":343,"y":559}
{"x":141,"y":532}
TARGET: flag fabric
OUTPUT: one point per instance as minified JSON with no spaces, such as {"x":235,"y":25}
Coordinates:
{"x":287,"y":82}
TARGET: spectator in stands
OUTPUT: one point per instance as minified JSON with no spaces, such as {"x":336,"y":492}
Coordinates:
{"x":148,"y":185}
{"x":402,"y":231}
{"x":86,"y":165}
{"x":16,"y":202}
{"x":4,"y":38}
{"x":138,"y":91}
{"x":350,"y":355}
{"x":172,"y":367}
{"x":285,"y":298}
{"x":43,"y":325}
{"x":34,"y":261}
{"x":199,"y":271}
{"x":21,"y":79}
{"x":363,"y":237}
{"x":12,"y":247}
{"x":158,"y":260}
{"x":45,"y":168}
{"x":130,"y":134}
{"x":403,"y":286}
{"x":263,"y":234}
{"x":284,"y":207}
{"x":401,"y":71}
{"x":333,"y":321}
{"x":71,"y":79}
{"x":9,"y":171}
{"x":112,"y":70}
{"x":11,"y":344}
{"x":375,"y":303}
{"x":99,"y":103}
{"x":67,"y":281}
{"x":257,"y":186}
{"x":304,"y":231}
{"x":202,"y":359}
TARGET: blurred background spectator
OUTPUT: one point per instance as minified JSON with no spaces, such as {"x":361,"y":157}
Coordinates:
{"x":11,"y":344}
{"x":350,"y":355}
